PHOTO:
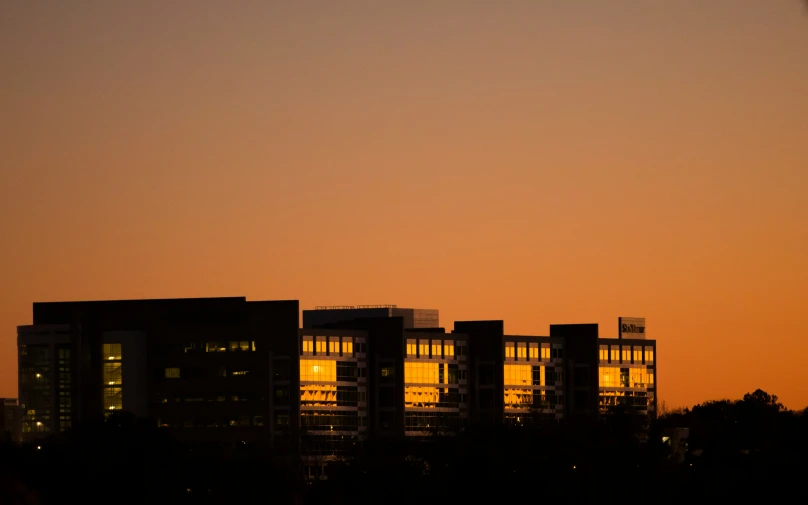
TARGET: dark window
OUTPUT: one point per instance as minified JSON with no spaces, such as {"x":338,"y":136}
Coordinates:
{"x":387,"y":397}
{"x":388,"y":374}
{"x":281,"y":395}
{"x":486,"y":375}
{"x":281,"y":369}
{"x":346,"y":371}
{"x":486,"y":398}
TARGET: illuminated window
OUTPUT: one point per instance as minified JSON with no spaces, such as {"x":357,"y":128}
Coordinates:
{"x":423,"y":373}
{"x":319,"y":345}
{"x":448,"y":348}
{"x":626,"y":354}
{"x":333,"y":346}
{"x":649,"y":354}
{"x":534,"y":351}
{"x":318,"y":370}
{"x":240,"y":372}
{"x":308,"y":344}
{"x":518,"y":375}
{"x":609,"y":377}
{"x":412,"y":348}
{"x":509,"y":350}
{"x":347,"y":346}
{"x":423,"y":348}
{"x":615,"y":353}
{"x":436,"y":349}
{"x":521,"y":350}
{"x":604,"y":353}
{"x":112,"y":352}
{"x":172,"y":373}
{"x":545,"y":351}
{"x":113,"y":398}
{"x":113,"y":375}
{"x":240,"y":345}
{"x":637,"y":354}
{"x":215,"y":347}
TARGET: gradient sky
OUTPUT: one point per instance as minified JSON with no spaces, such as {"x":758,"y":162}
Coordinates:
{"x":533,"y":161}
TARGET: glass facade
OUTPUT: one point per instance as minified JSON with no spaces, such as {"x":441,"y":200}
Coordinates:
{"x":112,"y":381}
{"x":36,"y":387}
{"x":435,"y":385}
{"x":333,"y":393}
{"x":532,"y":376}
{"x":626,"y":376}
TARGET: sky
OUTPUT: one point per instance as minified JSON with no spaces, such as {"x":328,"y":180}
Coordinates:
{"x":534,"y":161}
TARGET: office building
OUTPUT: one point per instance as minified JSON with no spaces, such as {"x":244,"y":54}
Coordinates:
{"x":10,"y":421}
{"x":228,"y":370}
{"x":191,"y":365}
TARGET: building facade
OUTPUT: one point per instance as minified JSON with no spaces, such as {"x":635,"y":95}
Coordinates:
{"x":10,"y":421}
{"x":228,"y":370}
{"x":203,"y":368}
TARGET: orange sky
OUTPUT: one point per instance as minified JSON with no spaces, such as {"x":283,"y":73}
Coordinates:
{"x":535,"y":161}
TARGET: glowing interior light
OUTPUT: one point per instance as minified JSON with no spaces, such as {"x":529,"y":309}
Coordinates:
{"x":38,"y":375}
{"x":112,"y":357}
{"x":111,"y":383}
{"x":315,"y":368}
{"x":39,"y":423}
{"x":40,"y":447}
{"x":112,"y":407}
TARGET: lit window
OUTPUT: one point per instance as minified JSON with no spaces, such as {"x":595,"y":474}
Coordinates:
{"x":112,"y":352}
{"x":319,"y":345}
{"x":509,"y":350}
{"x":637,"y":354}
{"x":518,"y":375}
{"x":545,"y":351}
{"x":172,"y":373}
{"x":240,"y":372}
{"x":436,"y":349}
{"x":215,"y":347}
{"x":240,"y":345}
{"x":423,"y":348}
{"x":318,"y":370}
{"x":534,"y":351}
{"x":521,"y":350}
{"x":112,"y":374}
{"x":604,"y":353}
{"x":615,"y":351}
{"x":333,"y":346}
{"x":448,"y":348}
{"x":412,"y":348}
{"x":626,"y":354}
{"x":649,"y":354}
{"x":347,"y":346}
{"x":308,"y":345}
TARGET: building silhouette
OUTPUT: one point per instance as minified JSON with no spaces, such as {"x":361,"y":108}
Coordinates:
{"x":10,"y":428}
{"x":228,"y":370}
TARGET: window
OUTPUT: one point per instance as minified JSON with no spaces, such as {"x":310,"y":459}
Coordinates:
{"x":534,"y":351}
{"x":637,"y":354}
{"x":626,"y":354}
{"x":172,"y":373}
{"x":320,"y":345}
{"x":318,"y":370}
{"x":214,"y":347}
{"x":423,"y":348}
{"x":615,"y":354}
{"x":436,"y":349}
{"x":557,"y":352}
{"x":241,"y":345}
{"x":347,"y":346}
{"x":412,"y":348}
{"x":258,"y":420}
{"x":545,"y":352}
{"x":333,"y":346}
{"x":521,"y":350}
{"x":518,"y":375}
{"x":240,"y":372}
{"x":308,"y":345}
{"x":649,"y":354}
{"x":388,"y":374}
{"x":448,"y":348}
{"x":281,"y":369}
{"x":113,"y":374}
{"x":112,"y":352}
{"x":509,"y":350}
{"x":604,"y":353}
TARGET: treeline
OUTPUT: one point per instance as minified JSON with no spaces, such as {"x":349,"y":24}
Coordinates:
{"x":751,"y":447}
